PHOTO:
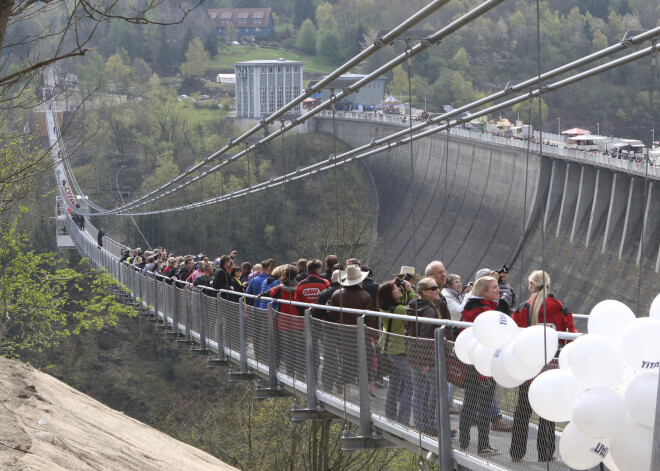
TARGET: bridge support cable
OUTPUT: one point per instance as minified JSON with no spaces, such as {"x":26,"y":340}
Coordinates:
{"x":383,"y":144}
{"x":372,"y":49}
{"x":514,"y":88}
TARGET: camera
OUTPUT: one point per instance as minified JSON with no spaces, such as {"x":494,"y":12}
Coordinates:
{"x":504,"y":269}
{"x":400,"y":281}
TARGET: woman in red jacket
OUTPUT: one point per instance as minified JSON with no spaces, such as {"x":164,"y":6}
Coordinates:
{"x":479,"y":390}
{"x":540,"y":308}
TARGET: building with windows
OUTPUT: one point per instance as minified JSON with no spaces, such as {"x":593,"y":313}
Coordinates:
{"x":249,"y":22}
{"x":264,"y":86}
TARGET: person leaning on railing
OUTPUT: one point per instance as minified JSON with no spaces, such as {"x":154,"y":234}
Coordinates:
{"x":540,"y":308}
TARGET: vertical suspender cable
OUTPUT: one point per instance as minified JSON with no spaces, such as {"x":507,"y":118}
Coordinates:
{"x":646,"y":179}
{"x":544,"y":201}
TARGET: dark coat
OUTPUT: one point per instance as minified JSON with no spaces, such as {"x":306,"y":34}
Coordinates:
{"x":351,"y":297}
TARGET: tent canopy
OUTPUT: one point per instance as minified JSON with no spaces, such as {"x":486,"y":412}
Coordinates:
{"x":391,"y":99}
{"x":575,"y":132}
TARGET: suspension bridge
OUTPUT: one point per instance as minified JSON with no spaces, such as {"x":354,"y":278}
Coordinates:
{"x":466,"y":198}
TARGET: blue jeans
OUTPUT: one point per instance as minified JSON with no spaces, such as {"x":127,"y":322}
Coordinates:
{"x":399,"y":390}
{"x":424,"y":403}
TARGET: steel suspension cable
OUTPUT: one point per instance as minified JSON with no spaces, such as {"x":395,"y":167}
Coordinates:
{"x":372,"y":49}
{"x":379,"y":145}
{"x":515,"y":88}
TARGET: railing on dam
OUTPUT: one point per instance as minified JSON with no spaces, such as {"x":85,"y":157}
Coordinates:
{"x":573,"y":155}
{"x":330,"y":364}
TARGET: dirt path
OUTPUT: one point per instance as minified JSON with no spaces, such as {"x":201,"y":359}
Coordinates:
{"x":65,"y":430}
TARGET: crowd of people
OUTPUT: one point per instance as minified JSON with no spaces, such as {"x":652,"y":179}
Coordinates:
{"x":401,"y":350}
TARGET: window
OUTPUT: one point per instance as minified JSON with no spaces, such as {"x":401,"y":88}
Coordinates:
{"x":288,"y":96}
{"x":295,"y":68}
{"x":263,"y":100}
{"x":270,"y":70}
{"x":280,"y":97}
{"x":271,"y":99}
{"x":279,"y":69}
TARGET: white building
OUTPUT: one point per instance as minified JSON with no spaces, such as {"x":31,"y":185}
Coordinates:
{"x":264,"y":86}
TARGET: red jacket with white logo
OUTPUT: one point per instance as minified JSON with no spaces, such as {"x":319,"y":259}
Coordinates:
{"x":308,"y":290}
{"x":558,"y":315}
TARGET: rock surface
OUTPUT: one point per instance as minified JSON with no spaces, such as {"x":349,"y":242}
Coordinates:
{"x":47,"y":425}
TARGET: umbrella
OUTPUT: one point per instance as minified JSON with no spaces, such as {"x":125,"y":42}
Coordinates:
{"x":576,"y":131}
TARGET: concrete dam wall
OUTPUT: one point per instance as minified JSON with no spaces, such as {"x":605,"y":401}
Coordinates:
{"x":474,"y":204}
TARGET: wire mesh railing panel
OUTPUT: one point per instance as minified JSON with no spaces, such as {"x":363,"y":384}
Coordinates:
{"x":290,"y":345}
{"x":497,"y":424}
{"x":231,"y":328}
{"x":328,"y":335}
{"x":210,"y":310}
{"x":150,"y":283}
{"x":394,"y":401}
{"x":256,"y":332}
{"x":342,"y":339}
{"x":420,"y":356}
{"x":181,"y":306}
{"x":168,"y":304}
{"x":195,"y":307}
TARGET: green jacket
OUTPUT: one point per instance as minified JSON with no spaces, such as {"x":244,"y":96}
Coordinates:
{"x":394,"y":329}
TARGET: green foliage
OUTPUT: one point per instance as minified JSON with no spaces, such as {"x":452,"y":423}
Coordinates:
{"x":42,"y":301}
{"x":306,"y":40}
{"x":196,"y":59}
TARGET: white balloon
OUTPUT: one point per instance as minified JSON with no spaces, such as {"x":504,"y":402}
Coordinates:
{"x":553,"y":393}
{"x":462,"y":345}
{"x":494,"y":328}
{"x":563,"y":356}
{"x":482,"y":357}
{"x":599,"y":412}
{"x":641,"y":396}
{"x":579,"y":451}
{"x":595,"y":361}
{"x":472,"y":350}
{"x":655,"y":307}
{"x":632,"y":447}
{"x":608,"y":318}
{"x":514,"y":369}
{"x":640,"y":346}
{"x":498,"y":369}
{"x":609,"y":462}
{"x":528,"y":346}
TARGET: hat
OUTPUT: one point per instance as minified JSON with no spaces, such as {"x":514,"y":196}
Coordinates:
{"x":352,"y":275}
{"x":482,"y":272}
{"x":405,"y":270}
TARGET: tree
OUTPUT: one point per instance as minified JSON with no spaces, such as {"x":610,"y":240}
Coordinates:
{"x":41,"y":302}
{"x":328,"y":45}
{"x":196,"y":59}
{"x":306,"y":40}
{"x":231,"y":32}
{"x":70,"y":32}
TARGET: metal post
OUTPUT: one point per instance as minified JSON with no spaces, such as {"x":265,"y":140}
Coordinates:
{"x":368,"y":439}
{"x":314,"y":410}
{"x":655,"y":447}
{"x":241,"y":334}
{"x":363,"y":381}
{"x":202,"y":331}
{"x":309,"y":356}
{"x":213,"y":362}
{"x":244,"y":374}
{"x":442,"y":397}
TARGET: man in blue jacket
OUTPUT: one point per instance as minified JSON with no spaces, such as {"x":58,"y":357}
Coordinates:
{"x":254,"y":286}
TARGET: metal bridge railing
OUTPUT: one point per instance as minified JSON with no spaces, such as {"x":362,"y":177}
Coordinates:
{"x":552,"y":151}
{"x":333,"y":366}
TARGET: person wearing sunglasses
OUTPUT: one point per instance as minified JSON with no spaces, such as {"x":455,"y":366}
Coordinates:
{"x":420,"y":354}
